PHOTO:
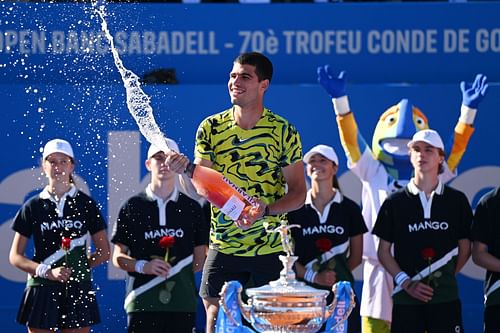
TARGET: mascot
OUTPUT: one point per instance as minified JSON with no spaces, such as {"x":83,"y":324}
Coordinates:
{"x":384,"y":168}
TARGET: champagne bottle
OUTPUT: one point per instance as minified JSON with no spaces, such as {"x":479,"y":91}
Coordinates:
{"x":220,"y":191}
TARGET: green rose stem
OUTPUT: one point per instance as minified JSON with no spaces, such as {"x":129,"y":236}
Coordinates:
{"x":167,"y":242}
{"x":66,"y":246}
{"x":428,"y":254}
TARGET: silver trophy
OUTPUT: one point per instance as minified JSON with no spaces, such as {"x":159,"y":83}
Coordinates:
{"x":287,"y":305}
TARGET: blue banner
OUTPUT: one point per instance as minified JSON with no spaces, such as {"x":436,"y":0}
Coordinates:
{"x":232,"y":321}
{"x":392,"y":42}
{"x":337,"y":322}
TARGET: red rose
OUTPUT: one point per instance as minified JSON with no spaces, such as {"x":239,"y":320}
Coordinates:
{"x":66,"y":243}
{"x":66,"y":246}
{"x":167,"y":242}
{"x":428,"y":253}
{"x":323,"y":244}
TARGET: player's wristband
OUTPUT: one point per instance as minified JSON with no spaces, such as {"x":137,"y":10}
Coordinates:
{"x":309,"y":275}
{"x":139,"y":266}
{"x":266,"y":211}
{"x":400,"y":278}
{"x":42,"y":270}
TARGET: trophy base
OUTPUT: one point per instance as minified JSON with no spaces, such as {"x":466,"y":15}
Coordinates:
{"x":286,"y":322}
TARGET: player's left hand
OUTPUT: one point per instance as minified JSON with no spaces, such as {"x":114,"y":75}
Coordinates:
{"x":249,"y":216}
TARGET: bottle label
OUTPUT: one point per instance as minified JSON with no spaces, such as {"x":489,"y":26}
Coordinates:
{"x":240,"y":191}
{"x":233,"y":207}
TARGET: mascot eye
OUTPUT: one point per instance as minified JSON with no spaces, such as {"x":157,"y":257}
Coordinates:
{"x":419,"y":122}
{"x":390,"y":120}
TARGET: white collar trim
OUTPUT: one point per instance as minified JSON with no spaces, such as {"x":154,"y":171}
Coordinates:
{"x":45,"y":194}
{"x":413,"y":189}
{"x":426,"y":202}
{"x":337,"y":198}
{"x":162,"y":204}
{"x":172,"y":197}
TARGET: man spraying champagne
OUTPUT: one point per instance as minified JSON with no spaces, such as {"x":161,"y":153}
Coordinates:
{"x":260,"y":152}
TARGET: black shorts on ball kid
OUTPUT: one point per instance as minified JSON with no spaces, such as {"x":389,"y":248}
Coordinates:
{"x":47,"y":307}
{"x":428,"y":318}
{"x":491,"y":319}
{"x":161,"y":322}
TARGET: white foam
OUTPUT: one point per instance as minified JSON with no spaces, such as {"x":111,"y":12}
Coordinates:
{"x":138,"y":102}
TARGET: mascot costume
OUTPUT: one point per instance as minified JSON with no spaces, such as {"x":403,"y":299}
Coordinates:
{"x":385,"y":168}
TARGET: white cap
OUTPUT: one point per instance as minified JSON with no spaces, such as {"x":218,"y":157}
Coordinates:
{"x":154,"y":149}
{"x":57,"y":146}
{"x":428,"y":136}
{"x":324,"y":150}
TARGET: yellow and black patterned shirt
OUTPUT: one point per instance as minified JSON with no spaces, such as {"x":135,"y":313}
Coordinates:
{"x":253,"y":160}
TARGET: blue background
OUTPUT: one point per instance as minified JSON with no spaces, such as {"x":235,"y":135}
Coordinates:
{"x":79,"y":97}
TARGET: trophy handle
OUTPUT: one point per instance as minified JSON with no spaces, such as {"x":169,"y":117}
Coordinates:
{"x":330,"y":309}
{"x":245,"y":309}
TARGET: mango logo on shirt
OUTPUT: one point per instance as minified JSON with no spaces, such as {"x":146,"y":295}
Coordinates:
{"x":178,"y":233}
{"x":323,"y":229}
{"x":61,"y":224}
{"x":428,"y":225}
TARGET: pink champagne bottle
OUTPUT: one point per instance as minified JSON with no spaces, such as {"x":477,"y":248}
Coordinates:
{"x":220,"y":192}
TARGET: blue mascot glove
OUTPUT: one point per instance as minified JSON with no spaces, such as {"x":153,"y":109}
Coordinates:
{"x":334,"y":85}
{"x":473,"y":94}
